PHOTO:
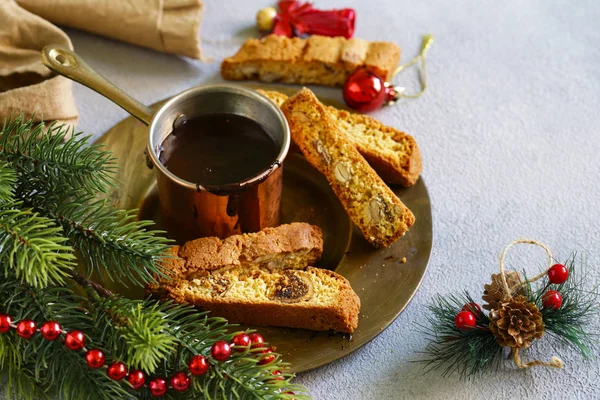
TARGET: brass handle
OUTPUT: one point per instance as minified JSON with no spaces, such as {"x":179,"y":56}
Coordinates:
{"x":68,"y":64}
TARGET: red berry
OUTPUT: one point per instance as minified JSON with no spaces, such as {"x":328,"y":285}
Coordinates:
{"x":269,"y":358}
{"x":94,"y":358}
{"x":5,"y":321}
{"x":221,"y":351}
{"x":256,"y":340}
{"x":552,"y":299}
{"x":180,"y":382}
{"x":117,"y":371}
{"x":558,"y":273}
{"x":50,"y":330}
{"x":472,"y":307}
{"x":198,"y":365}
{"x":136,"y":378}
{"x":465,"y":320}
{"x":26,"y":328}
{"x":241,"y":341}
{"x":75,"y":340}
{"x":278,"y":375}
{"x":365,"y":91}
{"x":158,"y":387}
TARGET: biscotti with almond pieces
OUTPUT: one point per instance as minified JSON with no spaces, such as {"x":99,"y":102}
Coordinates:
{"x":371,"y":204}
{"x":294,"y":245}
{"x":316,"y":60}
{"x":393,"y":154}
{"x":311,"y":298}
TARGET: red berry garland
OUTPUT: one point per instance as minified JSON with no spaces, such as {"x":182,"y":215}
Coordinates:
{"x":117,"y":371}
{"x":180,"y":382}
{"x":5,"y":323}
{"x":136,"y":379}
{"x":75,"y":340}
{"x":198,"y":365}
{"x":158,"y":387}
{"x":94,"y":358}
{"x":221,"y":351}
{"x":558,"y":274}
{"x":552,"y":299}
{"x":26,"y":328}
{"x":465,"y":320}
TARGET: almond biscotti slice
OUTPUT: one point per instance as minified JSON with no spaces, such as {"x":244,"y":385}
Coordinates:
{"x":318,"y":59}
{"x":293,"y":245}
{"x":392,"y":153}
{"x":369,"y":202}
{"x":312,"y":298}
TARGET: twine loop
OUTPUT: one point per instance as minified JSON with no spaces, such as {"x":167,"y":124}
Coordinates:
{"x":425,"y":45}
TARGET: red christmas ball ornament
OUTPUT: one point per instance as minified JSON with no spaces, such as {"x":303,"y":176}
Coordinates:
{"x":465,"y":320}
{"x":472,"y":307}
{"x":242,"y":341}
{"x":75,"y":340}
{"x":26,"y":328}
{"x":5,"y":323}
{"x":221,"y":351}
{"x":136,"y":379}
{"x":558,"y":274}
{"x":269,"y":358}
{"x":180,"y":382}
{"x":158,"y":387}
{"x":552,"y":299}
{"x":256,"y":340}
{"x":365,"y":91}
{"x":117,"y":371}
{"x":94,"y":358}
{"x":198,"y":365}
{"x":50,"y":330}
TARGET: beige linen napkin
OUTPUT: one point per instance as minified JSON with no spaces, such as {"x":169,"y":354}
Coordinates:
{"x":170,"y":26}
{"x":25,"y":83}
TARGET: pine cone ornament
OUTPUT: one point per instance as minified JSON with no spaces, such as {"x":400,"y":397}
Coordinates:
{"x":516,"y":323}
{"x":494,"y":292}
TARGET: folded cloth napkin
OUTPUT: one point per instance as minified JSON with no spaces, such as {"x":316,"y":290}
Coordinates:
{"x":26,"y":85}
{"x":169,"y":26}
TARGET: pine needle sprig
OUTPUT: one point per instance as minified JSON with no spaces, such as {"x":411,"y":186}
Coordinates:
{"x":8,"y":177}
{"x":52,"y":159}
{"x":33,"y":247}
{"x":579,"y":310}
{"x":468,"y":352}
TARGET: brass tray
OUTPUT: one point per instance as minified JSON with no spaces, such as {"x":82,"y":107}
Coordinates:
{"x":384,"y":283}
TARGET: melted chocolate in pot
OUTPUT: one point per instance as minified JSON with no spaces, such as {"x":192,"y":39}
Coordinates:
{"x":218,"y":149}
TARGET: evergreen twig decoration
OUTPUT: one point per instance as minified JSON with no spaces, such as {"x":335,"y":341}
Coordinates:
{"x":467,"y":340}
{"x":49,"y":219}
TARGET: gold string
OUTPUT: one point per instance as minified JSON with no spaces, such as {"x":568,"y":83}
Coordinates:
{"x":425,"y":45}
{"x":555,"y":363}
{"x":535,"y":278}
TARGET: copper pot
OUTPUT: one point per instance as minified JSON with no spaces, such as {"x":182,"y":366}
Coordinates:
{"x":191,"y":210}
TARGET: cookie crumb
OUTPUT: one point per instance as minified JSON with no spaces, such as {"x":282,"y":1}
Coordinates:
{"x":403,"y":260}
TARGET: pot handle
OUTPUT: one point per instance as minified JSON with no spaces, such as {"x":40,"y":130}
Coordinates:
{"x":68,"y":64}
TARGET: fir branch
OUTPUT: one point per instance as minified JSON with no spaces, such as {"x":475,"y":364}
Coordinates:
{"x":8,"y":177}
{"x":580,"y":308}
{"x":52,"y":159}
{"x":468,"y":352}
{"x":33,"y":247}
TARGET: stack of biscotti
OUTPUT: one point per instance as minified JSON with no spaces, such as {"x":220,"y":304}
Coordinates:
{"x":262,"y":278}
{"x":371,"y":204}
{"x":318,"y":59}
{"x":393,"y":154}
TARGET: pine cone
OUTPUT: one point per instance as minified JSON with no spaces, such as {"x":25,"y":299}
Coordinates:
{"x":516,"y":323}
{"x":494,"y":292}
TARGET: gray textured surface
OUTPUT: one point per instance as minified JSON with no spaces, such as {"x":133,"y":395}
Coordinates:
{"x":510,"y":139}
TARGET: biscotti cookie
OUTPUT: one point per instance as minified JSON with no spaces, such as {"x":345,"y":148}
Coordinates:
{"x":369,"y":202}
{"x":318,"y":59}
{"x":312,"y":298}
{"x":293,"y":245}
{"x":392,"y":153}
